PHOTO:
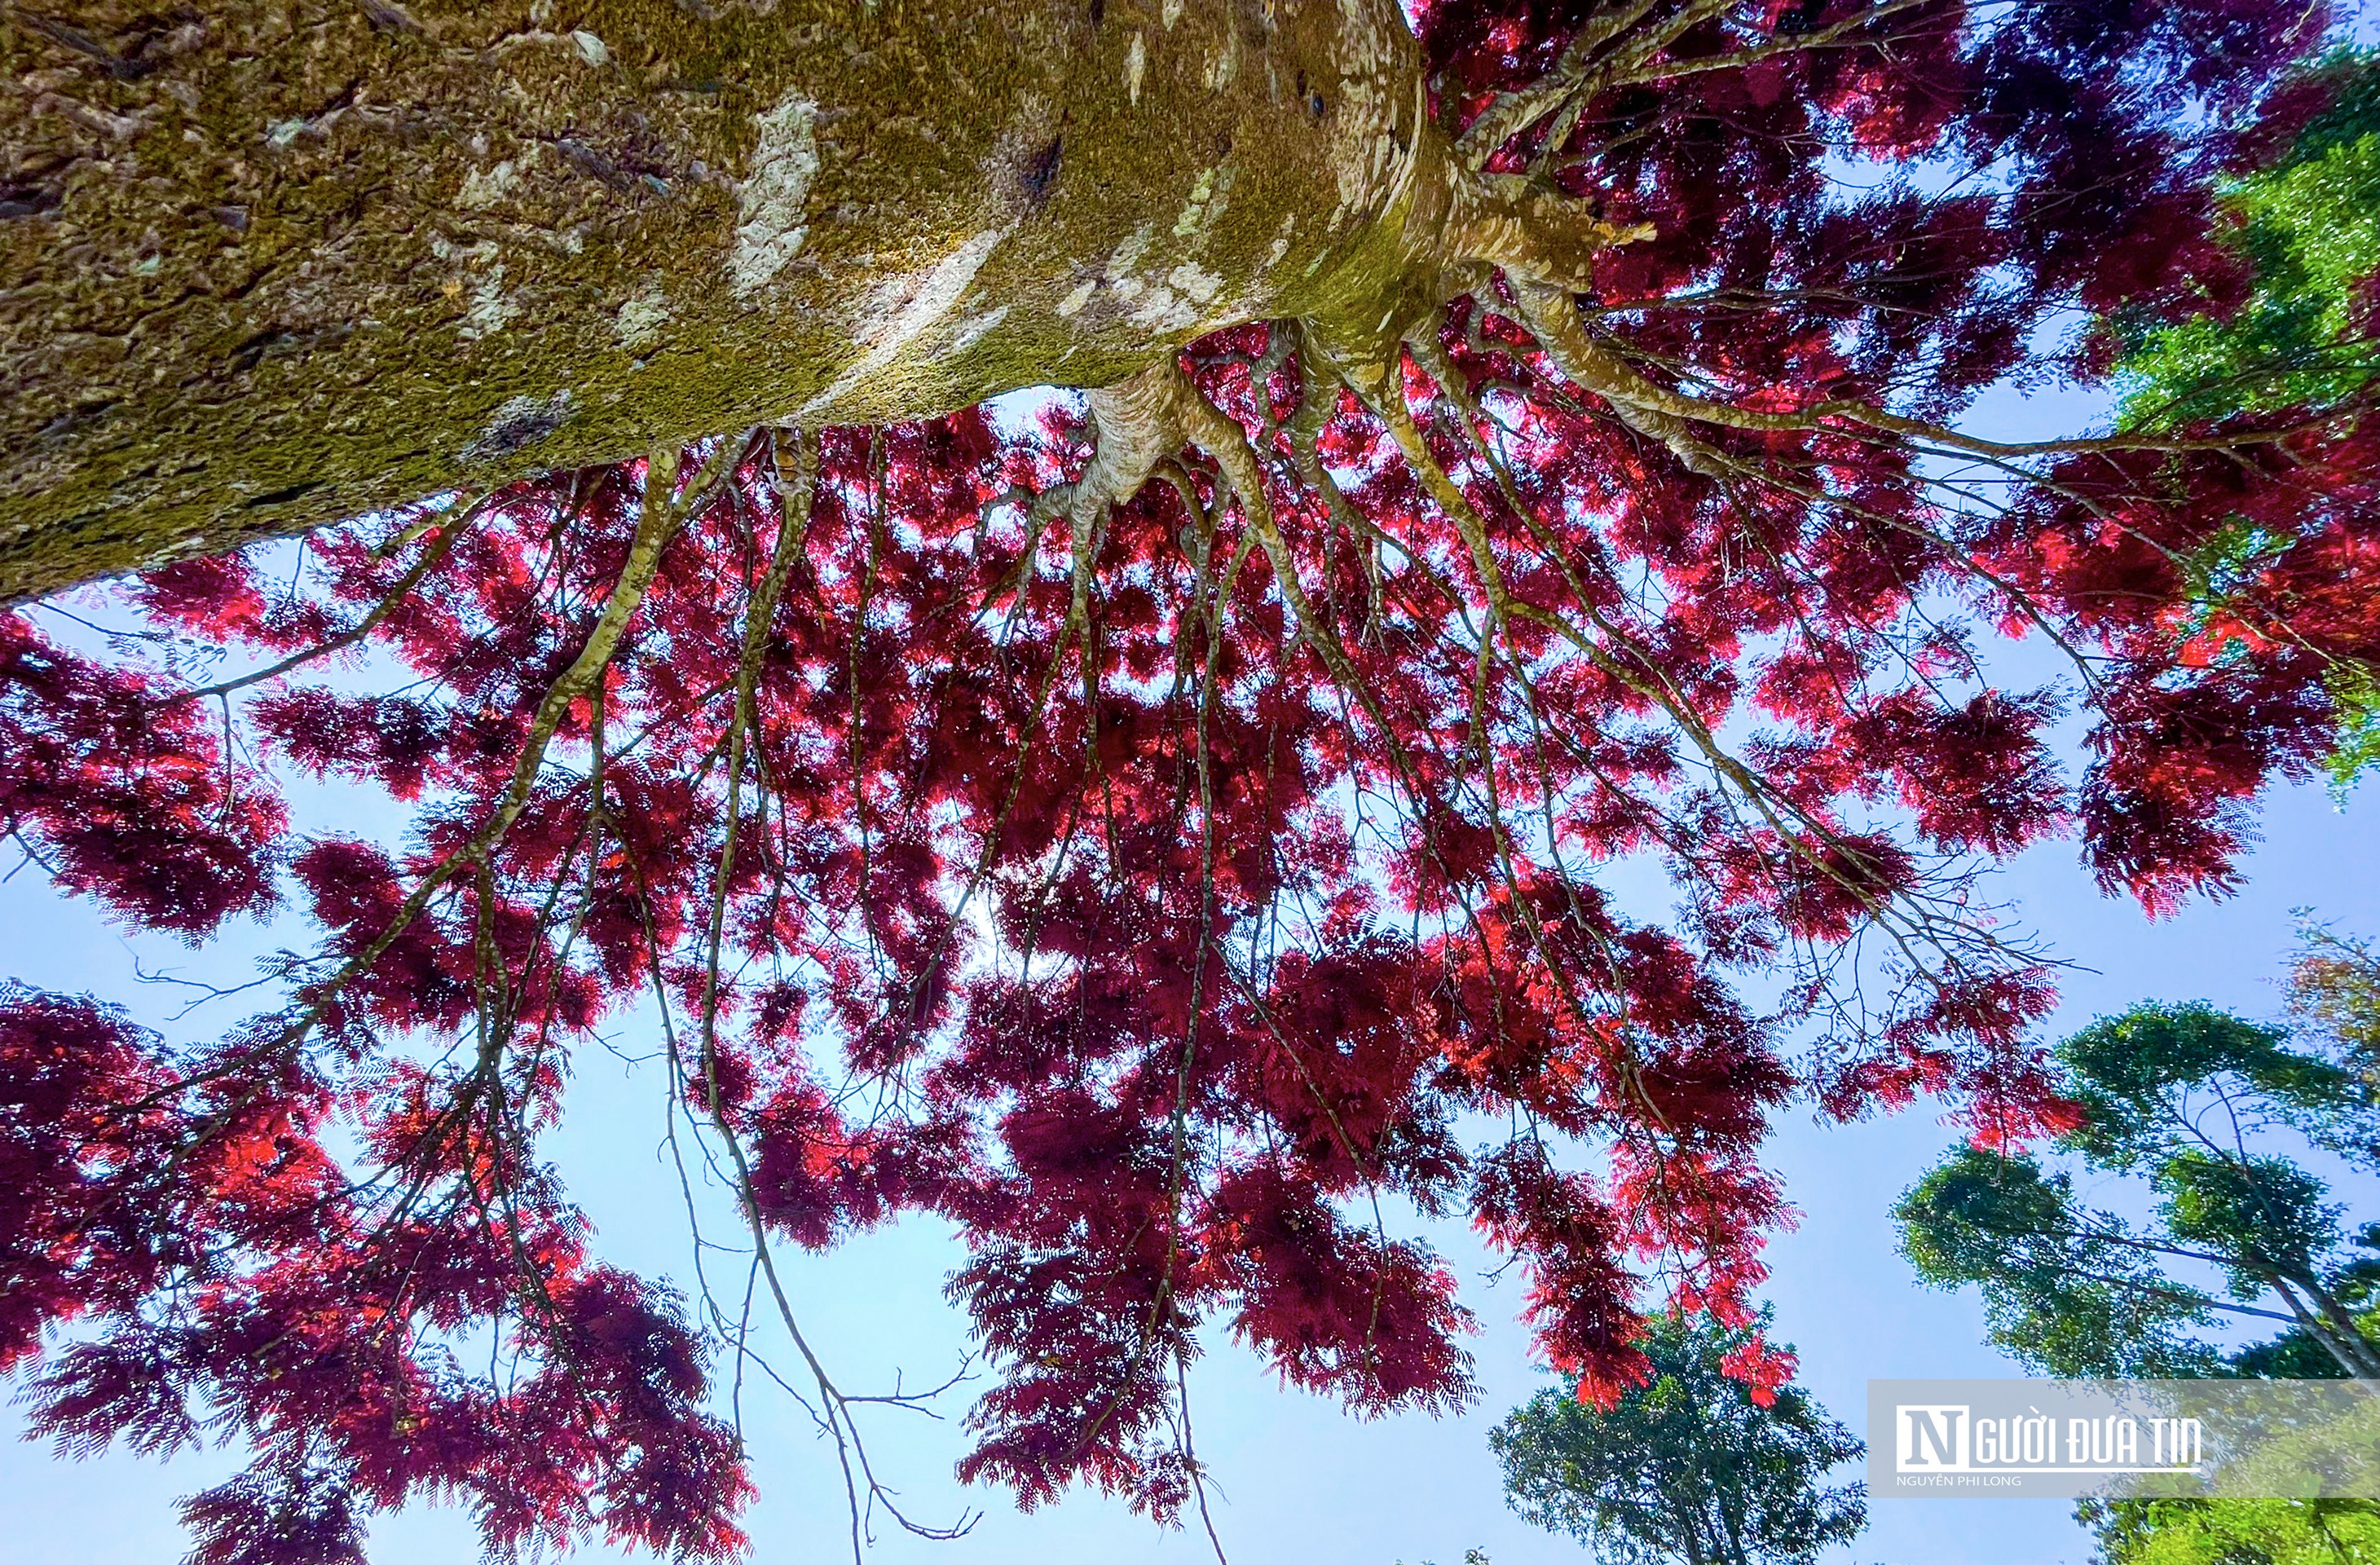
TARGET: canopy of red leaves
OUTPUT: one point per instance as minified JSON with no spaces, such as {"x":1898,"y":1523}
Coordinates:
{"x":1164,"y":904}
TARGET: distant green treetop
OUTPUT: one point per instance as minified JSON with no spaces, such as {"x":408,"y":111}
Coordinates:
{"x":2308,"y":238}
{"x":2181,"y":1097}
{"x":1688,"y":1468}
{"x":2309,"y":233}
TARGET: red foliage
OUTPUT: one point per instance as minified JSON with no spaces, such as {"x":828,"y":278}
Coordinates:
{"x":1145,"y":925}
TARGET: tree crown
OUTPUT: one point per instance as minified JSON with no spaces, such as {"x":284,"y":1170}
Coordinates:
{"x":1690,"y":1465}
{"x":1149,"y":832}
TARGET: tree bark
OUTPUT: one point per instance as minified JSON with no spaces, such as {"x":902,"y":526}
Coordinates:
{"x":269,"y":265}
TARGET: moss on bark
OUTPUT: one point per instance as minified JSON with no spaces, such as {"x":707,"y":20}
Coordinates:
{"x":271,"y":265}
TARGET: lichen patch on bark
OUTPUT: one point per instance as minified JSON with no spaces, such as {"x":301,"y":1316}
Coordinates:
{"x":640,"y":322}
{"x":907,"y":309}
{"x":771,"y":221}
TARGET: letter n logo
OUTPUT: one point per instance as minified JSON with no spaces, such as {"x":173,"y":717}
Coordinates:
{"x":1930,"y":1438}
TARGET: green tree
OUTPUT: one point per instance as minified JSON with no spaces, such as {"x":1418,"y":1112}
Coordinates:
{"x":2067,"y":1291}
{"x":2306,"y":228}
{"x":2334,"y":997}
{"x":2234,"y":1532}
{"x":2183,"y":1098}
{"x":1688,"y":1466}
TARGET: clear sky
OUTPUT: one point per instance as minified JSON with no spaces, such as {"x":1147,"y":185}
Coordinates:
{"x":1298,"y":1479}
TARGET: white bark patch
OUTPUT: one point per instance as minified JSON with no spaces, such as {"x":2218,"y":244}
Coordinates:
{"x":1280,"y":242}
{"x":483,"y":187}
{"x":1071,"y":305}
{"x":639,"y":323}
{"x":1162,"y":309}
{"x":904,"y":309}
{"x":1222,"y":68}
{"x":1136,"y":65}
{"x":1193,"y":212}
{"x":1127,"y":254}
{"x":478,"y":253}
{"x":1171,"y":13}
{"x":1201,"y":285}
{"x":975,"y":328}
{"x":769,"y":230}
{"x":490,"y":310}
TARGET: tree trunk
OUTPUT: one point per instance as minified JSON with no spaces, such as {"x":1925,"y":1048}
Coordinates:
{"x":2337,"y":1330}
{"x":272,"y":263}
{"x":2349,"y":1349}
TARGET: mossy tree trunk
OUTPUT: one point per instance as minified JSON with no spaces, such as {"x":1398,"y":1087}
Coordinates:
{"x":275,"y":262}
